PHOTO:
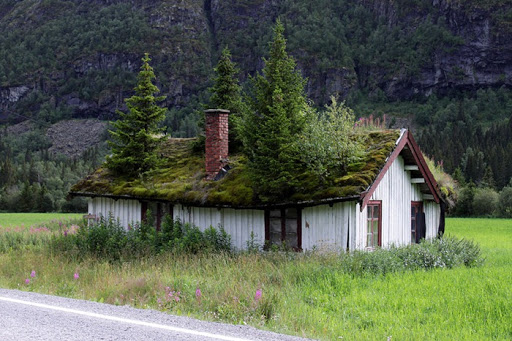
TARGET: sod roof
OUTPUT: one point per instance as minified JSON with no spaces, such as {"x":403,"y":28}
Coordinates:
{"x":181,"y":178}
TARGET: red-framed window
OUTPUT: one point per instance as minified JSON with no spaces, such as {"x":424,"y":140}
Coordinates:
{"x":283,"y":226}
{"x":374,"y":224}
{"x":416,"y":210}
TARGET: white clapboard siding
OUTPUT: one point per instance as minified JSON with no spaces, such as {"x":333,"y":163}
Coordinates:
{"x":327,"y":227}
{"x":238,"y":223}
{"x":128,"y":212}
{"x":396,"y":192}
{"x":432,"y":218}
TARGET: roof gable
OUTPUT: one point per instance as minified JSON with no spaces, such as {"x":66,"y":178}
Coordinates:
{"x":407,"y":147}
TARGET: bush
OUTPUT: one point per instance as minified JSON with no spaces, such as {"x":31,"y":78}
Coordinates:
{"x":109,"y":240}
{"x":505,"y":202}
{"x":485,"y":202}
{"x":446,"y":252}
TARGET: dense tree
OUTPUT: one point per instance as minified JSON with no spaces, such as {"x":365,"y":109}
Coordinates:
{"x":275,"y":118}
{"x":134,"y":138}
{"x":226,"y":94}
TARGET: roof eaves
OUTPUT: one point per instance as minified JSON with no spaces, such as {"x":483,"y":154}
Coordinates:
{"x":304,"y":203}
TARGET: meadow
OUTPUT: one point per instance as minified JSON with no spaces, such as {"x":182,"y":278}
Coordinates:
{"x":30,"y":219}
{"x":302,"y":294}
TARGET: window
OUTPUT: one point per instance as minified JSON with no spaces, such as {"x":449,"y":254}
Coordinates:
{"x":416,"y":221}
{"x":373,"y":226}
{"x":284,"y":226}
{"x":157,"y":212}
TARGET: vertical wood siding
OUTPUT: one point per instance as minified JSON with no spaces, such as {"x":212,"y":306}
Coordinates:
{"x":238,"y":223}
{"x":432,"y":216}
{"x":127,"y":211}
{"x":396,"y":193}
{"x":327,"y":227}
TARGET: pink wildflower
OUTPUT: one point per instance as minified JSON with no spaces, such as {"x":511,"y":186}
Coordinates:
{"x":76,"y":276}
{"x":27,"y":281}
{"x":33,"y":274}
{"x":257,"y":297}
{"x":198,"y":293}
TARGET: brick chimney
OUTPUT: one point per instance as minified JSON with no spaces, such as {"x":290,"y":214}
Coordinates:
{"x":216,"y":131}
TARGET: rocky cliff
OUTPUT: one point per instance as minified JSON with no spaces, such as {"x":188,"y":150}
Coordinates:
{"x":77,"y":58}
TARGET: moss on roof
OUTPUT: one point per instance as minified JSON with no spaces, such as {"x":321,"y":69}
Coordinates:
{"x":181,"y":178}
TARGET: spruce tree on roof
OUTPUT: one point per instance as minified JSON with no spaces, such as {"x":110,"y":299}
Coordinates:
{"x":135,"y":135}
{"x":226,"y":94}
{"x":274,"y":121}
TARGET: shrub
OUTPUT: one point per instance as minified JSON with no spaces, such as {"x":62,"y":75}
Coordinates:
{"x":485,"y":202}
{"x":446,"y":252}
{"x":109,"y":240}
{"x":505,"y":202}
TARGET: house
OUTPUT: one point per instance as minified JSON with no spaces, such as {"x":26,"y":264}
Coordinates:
{"x":389,"y":198}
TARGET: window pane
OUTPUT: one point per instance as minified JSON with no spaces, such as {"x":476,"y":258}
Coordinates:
{"x":291,"y":226}
{"x":291,"y":240}
{"x":369,"y":240}
{"x":376,"y":212}
{"x":275,"y":214}
{"x":275,"y":226}
{"x":370,"y":212}
{"x":369,"y":227}
{"x":275,"y":238}
{"x":291,"y":213}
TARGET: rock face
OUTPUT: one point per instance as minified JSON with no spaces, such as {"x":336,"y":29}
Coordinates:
{"x":73,"y":137}
{"x":483,"y":58}
{"x":185,"y":37}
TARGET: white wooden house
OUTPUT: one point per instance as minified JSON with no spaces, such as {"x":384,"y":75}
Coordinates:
{"x":389,"y":199}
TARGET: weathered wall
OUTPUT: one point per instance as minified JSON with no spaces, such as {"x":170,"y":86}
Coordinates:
{"x":396,"y":193}
{"x":327,"y":227}
{"x":127,"y":211}
{"x":238,"y":223}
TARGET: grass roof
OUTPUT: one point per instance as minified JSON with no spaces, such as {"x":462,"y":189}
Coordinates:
{"x":181,"y":178}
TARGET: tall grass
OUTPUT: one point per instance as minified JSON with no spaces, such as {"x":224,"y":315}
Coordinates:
{"x":303,"y":294}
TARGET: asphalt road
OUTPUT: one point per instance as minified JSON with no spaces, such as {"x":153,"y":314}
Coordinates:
{"x":31,"y":316}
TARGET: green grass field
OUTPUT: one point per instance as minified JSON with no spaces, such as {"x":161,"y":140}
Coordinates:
{"x":30,"y":219}
{"x":305,"y":295}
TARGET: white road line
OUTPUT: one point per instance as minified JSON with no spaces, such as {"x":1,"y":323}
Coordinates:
{"x":120,"y":319}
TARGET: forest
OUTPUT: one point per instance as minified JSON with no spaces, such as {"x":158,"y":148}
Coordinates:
{"x":438,"y":68}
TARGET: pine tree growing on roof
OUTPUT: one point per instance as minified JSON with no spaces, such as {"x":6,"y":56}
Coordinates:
{"x":275,"y":118}
{"x":135,"y":135}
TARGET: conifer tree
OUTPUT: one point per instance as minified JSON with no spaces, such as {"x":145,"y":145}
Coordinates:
{"x":274,"y":121}
{"x":134,"y":137}
{"x":226,"y":93}
{"x":226,"y":90}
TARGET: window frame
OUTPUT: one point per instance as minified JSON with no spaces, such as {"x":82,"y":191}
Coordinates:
{"x":370,"y":208}
{"x":283,"y":219}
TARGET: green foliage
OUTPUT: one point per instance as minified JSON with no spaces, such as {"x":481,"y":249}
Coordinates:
{"x":505,"y":202}
{"x":226,"y":94}
{"x":226,"y":90}
{"x":33,"y":180}
{"x":465,"y":201}
{"x":485,"y":202}
{"x":108,"y":240}
{"x":328,"y":143}
{"x":446,"y":252}
{"x":274,"y":121}
{"x":134,"y":139}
